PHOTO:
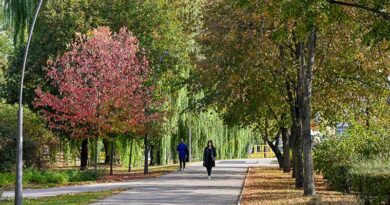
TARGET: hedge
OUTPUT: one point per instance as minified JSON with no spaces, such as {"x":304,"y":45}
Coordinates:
{"x":34,"y":176}
{"x":339,"y":178}
{"x":371,"y":188}
{"x":370,"y":180}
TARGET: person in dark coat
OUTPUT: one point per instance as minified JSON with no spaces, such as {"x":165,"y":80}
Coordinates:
{"x":209,"y":156}
{"x":183,"y":152}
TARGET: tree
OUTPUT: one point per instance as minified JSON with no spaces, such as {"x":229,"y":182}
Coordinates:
{"x":55,"y":28}
{"x":236,"y":76}
{"x":376,"y":7}
{"x":6,"y":48}
{"x":19,"y":14}
{"x":374,"y":12}
{"x":99,"y":82}
{"x":257,"y":55}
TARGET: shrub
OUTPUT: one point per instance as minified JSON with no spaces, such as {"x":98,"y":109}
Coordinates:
{"x":339,"y":178}
{"x":60,"y":177}
{"x":336,"y":153}
{"x":84,"y":176}
{"x":55,"y":177}
{"x":36,"y":136}
{"x":6,"y":178}
{"x":49,"y":176}
{"x":371,"y":181}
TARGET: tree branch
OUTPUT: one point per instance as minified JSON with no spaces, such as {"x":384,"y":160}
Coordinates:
{"x":385,"y":15}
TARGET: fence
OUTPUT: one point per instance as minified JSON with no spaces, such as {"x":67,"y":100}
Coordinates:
{"x":262,"y":151}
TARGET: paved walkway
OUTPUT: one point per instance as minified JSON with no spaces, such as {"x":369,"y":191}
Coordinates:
{"x":188,"y":187}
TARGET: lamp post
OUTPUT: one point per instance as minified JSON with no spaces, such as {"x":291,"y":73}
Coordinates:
{"x":19,"y":140}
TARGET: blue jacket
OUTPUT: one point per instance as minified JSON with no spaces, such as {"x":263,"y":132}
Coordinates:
{"x":182,"y":149}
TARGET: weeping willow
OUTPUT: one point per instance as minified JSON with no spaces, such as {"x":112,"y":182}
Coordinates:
{"x":230,"y":142}
{"x":18,"y":14}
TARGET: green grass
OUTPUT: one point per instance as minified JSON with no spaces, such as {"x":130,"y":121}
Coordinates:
{"x":69,"y":199}
{"x":379,"y":166}
{"x":33,"y":178}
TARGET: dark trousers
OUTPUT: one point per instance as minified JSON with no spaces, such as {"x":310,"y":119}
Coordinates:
{"x":209,"y":168}
{"x":182,"y":162}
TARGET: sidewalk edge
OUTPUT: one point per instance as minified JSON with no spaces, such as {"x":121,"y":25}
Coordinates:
{"x":243,"y":187}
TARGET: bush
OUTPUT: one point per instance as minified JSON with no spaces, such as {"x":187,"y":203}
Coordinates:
{"x":87,"y":176}
{"x":53,"y":177}
{"x":36,"y":136}
{"x":49,"y":177}
{"x":45,"y":177}
{"x":77,"y":176}
{"x":339,"y":178}
{"x":371,"y":181}
{"x":337,"y":156}
{"x":7,"y":178}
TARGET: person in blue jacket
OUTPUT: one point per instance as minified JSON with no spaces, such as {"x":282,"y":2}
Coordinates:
{"x":183,"y":152}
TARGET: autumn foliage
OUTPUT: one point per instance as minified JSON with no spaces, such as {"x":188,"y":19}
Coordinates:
{"x":99,"y":86}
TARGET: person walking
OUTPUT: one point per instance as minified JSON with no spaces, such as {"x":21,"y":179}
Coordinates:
{"x":209,"y":156}
{"x":183,"y":152}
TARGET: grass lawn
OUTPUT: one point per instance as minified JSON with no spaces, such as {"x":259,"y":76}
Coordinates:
{"x":122,"y":174}
{"x":69,"y":199}
{"x":269,"y":185}
{"x":7,"y":180}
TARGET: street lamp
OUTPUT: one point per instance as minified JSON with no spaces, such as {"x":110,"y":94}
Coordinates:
{"x":19,"y":140}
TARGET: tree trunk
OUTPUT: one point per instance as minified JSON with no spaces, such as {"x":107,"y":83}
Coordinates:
{"x":297,"y":148}
{"x":274,"y":147}
{"x":131,"y":154}
{"x":84,"y":154}
{"x":299,"y":163}
{"x":283,"y":129}
{"x":106,"y":145}
{"x":146,"y":163}
{"x":293,"y":110}
{"x":276,"y":150}
{"x":368,"y":113}
{"x":298,"y":115}
{"x":286,"y":150}
{"x":294,"y":153}
{"x":112,"y":157}
{"x":152,"y":150}
{"x":98,"y":129}
{"x":309,"y":187}
{"x":96,"y":152}
{"x":158,"y":157}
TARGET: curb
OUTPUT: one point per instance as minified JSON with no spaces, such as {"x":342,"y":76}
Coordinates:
{"x":243,"y":187}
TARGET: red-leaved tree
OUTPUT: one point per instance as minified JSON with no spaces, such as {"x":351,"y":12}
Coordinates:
{"x":99,"y":88}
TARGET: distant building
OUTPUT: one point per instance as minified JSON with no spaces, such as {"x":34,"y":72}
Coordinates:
{"x":341,"y":128}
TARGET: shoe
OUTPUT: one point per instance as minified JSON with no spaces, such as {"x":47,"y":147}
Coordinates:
{"x":209,"y":177}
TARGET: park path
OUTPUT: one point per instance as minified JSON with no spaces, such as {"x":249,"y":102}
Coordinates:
{"x":191,"y":186}
{"x":188,"y":187}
